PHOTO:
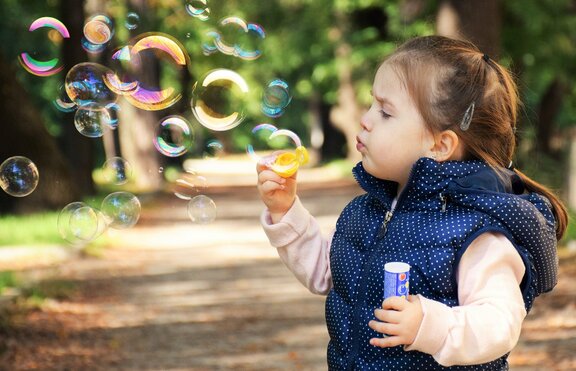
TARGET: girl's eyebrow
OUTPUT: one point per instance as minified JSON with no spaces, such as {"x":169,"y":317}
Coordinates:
{"x":382,"y":100}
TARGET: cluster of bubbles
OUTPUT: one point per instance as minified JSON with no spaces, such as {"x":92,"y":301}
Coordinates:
{"x":18,"y":176}
{"x":79,"y":223}
{"x":235,"y":37}
{"x":219,"y":100}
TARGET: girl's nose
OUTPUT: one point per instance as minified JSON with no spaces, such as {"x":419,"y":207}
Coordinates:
{"x":364,"y":122}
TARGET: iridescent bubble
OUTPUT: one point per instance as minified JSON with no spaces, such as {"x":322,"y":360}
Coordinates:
{"x":98,"y":29}
{"x":198,"y":9}
{"x":202,"y":210}
{"x":209,"y":42}
{"x":79,"y":223}
{"x":124,"y":64}
{"x":173,"y":136}
{"x":116,"y":170}
{"x":90,"y":47}
{"x":84,"y":85}
{"x":121,"y":210}
{"x":112,"y":120}
{"x":83,"y":223}
{"x":275,"y":98}
{"x":219,"y":98}
{"x":49,"y":67}
{"x":243,"y":44}
{"x":91,"y":120}
{"x":18,"y":176}
{"x":260,"y":134}
{"x":132,"y":21}
{"x":165,"y":48}
{"x":213,"y":150}
{"x":190,"y":184}
{"x":63,"y":102}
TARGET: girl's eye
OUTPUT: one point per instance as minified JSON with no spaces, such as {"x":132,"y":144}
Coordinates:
{"x":384,"y":114}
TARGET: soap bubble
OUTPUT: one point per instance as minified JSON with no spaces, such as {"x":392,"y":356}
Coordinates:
{"x":198,"y":9}
{"x":201,"y":209}
{"x":90,"y":47}
{"x":169,"y":53}
{"x":63,"y":102}
{"x":213,"y":149}
{"x":91,"y":120}
{"x":173,"y":136}
{"x":84,"y":85}
{"x":98,"y":29}
{"x":116,"y":170}
{"x":243,"y":44}
{"x":219,"y":98}
{"x":111,"y":121}
{"x":120,"y":77}
{"x":79,"y":223}
{"x":189,"y":185}
{"x":275,"y":98}
{"x":121,"y":210}
{"x":18,"y":176}
{"x":132,"y":21}
{"x":51,"y":66}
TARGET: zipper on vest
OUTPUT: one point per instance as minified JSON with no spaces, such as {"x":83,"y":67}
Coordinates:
{"x":384,"y":226}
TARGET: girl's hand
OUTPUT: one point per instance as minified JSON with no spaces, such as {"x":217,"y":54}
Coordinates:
{"x":401,"y":320}
{"x":277,"y":193}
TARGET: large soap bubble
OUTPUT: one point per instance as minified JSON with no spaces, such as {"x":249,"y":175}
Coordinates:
{"x":121,"y":210}
{"x":18,"y":176}
{"x":219,"y":99}
{"x":99,"y":29}
{"x":91,"y":120}
{"x":275,"y":98}
{"x":51,"y":66}
{"x":85,"y":85}
{"x":79,"y":223}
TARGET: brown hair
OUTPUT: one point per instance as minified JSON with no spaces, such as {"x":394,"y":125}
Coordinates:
{"x":444,"y":77}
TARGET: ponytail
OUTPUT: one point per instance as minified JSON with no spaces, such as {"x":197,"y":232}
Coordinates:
{"x":558,"y":208}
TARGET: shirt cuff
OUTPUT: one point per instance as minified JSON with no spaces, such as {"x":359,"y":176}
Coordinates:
{"x":292,"y":225}
{"x":434,"y":327}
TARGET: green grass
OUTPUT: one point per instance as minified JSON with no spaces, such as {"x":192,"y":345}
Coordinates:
{"x":7,"y":279}
{"x":34,"y":229}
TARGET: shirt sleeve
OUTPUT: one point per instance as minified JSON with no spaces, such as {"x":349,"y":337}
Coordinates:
{"x":301,"y":247}
{"x":488,"y":321}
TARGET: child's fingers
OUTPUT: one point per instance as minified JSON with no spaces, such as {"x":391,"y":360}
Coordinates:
{"x":271,"y":186}
{"x":395,"y":303}
{"x":270,"y":176}
{"x":384,"y":327}
{"x":390,"y":316}
{"x":387,"y":342}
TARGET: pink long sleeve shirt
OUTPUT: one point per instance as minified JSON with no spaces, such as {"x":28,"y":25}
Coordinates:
{"x":486,"y":324}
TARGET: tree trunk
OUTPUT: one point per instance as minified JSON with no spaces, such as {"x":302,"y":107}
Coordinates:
{"x":78,"y":149}
{"x":136,"y":127}
{"x":24,"y":134}
{"x":477,"y":21}
{"x":550,"y":106}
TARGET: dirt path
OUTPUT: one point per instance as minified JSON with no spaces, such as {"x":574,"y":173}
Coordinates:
{"x":176,"y":296}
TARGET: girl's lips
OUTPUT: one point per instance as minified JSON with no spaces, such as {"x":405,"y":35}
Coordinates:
{"x":359,"y":145}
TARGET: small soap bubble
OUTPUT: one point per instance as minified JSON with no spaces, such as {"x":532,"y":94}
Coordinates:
{"x":189,"y":185}
{"x":112,"y":119}
{"x":83,"y":223}
{"x":63,"y":103}
{"x":91,"y":120}
{"x":132,"y":21}
{"x":84,"y":85}
{"x":202,"y":210}
{"x":116,"y":170}
{"x":121,"y":210}
{"x":98,"y":29}
{"x":173,"y":136}
{"x":239,"y":38}
{"x":213,"y":150}
{"x":198,"y":9}
{"x":91,"y":47}
{"x":18,"y":176}
{"x":219,"y":99}
{"x":275,"y":98}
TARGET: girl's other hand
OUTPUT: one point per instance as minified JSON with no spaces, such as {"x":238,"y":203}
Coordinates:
{"x":277,"y":193}
{"x":399,"y":319}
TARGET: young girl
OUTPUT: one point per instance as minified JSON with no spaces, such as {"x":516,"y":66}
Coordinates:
{"x":441,"y":195}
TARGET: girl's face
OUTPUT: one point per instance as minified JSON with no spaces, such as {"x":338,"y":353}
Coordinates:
{"x":392,"y":133}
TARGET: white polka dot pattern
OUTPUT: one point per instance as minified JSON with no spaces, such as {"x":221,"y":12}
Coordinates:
{"x":443,"y":208}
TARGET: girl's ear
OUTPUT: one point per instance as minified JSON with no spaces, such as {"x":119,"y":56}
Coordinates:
{"x":447,"y":146}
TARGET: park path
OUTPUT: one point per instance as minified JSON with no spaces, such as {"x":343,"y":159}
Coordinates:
{"x":171,"y":295}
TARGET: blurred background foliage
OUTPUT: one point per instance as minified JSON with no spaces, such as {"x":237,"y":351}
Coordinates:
{"x":327,"y":51}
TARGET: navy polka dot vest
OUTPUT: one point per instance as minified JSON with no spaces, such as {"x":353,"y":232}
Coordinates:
{"x":443,"y":208}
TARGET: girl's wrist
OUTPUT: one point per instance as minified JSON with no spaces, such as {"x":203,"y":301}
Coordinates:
{"x":275,"y":217}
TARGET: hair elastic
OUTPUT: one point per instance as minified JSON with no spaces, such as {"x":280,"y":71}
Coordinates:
{"x":467,"y":119}
{"x":486,"y":58}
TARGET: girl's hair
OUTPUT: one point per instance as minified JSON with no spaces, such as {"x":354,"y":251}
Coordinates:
{"x":444,"y":77}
